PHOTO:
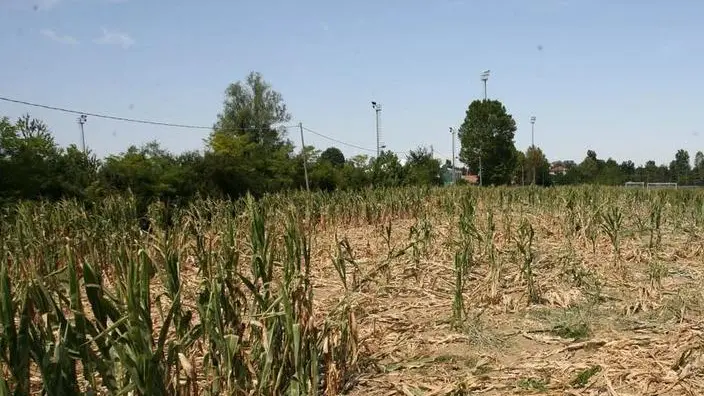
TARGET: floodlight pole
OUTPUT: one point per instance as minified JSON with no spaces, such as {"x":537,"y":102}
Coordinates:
{"x":481,"y":178}
{"x":532,"y":141}
{"x":377,"y":107}
{"x":452,"y":132}
{"x":305,"y":157}
{"x":485,"y":77}
{"x":81,"y":121}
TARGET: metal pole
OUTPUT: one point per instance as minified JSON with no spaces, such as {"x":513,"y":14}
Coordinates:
{"x":481,"y":179}
{"x":377,"y":107}
{"x":452,"y":131}
{"x":82,"y":120}
{"x":378,"y":130}
{"x":485,"y":77}
{"x":305,"y":157}
{"x":532,"y":143}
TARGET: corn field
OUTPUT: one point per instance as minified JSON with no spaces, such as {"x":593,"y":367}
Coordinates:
{"x":412,"y":291}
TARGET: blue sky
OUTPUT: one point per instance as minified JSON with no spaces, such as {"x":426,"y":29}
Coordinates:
{"x":620,"y":77}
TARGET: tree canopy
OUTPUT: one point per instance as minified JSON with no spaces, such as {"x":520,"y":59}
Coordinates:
{"x":248,"y":152}
{"x":486,"y":137}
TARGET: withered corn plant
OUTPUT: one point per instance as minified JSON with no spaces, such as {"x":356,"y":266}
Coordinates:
{"x":524,"y":243}
{"x":215,"y":298}
{"x":464,"y":259}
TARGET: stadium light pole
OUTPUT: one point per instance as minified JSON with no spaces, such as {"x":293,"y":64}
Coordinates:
{"x":452,"y":132}
{"x":377,"y":107}
{"x":485,"y":77}
{"x":532,"y":141}
{"x":81,"y":121}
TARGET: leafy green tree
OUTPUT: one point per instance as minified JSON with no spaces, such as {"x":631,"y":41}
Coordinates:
{"x":353,"y":177}
{"x":252,"y":108}
{"x":628,"y":171}
{"x":386,"y":170}
{"x":567,"y":173}
{"x":246,"y":152}
{"x":334,"y":156}
{"x":421,"y":168}
{"x":698,"y":170}
{"x":650,"y":170}
{"x":589,"y":168}
{"x":519,"y":176}
{"x":610,"y":173}
{"x":356,"y":173}
{"x":487,"y":136}
{"x":311,"y":154}
{"x":537,"y":166}
{"x":681,"y":168}
{"x":699,"y":160}
{"x":148,"y":172}
{"x":360,"y":161}
{"x":75,"y":173}
{"x":324,"y":176}
{"x":32,"y":166}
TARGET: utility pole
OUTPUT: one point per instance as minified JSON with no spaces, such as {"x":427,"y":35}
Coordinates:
{"x":452,"y":132}
{"x":485,"y":77}
{"x":305,"y":157}
{"x":481,"y":178}
{"x":532,"y":142}
{"x":81,"y":121}
{"x":377,"y":107}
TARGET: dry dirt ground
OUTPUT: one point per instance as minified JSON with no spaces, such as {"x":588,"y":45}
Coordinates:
{"x":602,"y":327}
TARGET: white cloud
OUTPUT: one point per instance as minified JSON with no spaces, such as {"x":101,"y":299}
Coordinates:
{"x":115,"y":38}
{"x":63,"y":39}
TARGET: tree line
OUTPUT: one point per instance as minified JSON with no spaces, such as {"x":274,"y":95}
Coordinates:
{"x":248,"y":151}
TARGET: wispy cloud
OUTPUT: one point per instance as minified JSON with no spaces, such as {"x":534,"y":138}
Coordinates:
{"x":59,"y":38}
{"x":113,"y":37}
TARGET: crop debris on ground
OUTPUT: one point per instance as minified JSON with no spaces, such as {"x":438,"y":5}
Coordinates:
{"x":412,"y":291}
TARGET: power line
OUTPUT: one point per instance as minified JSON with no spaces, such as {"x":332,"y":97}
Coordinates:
{"x":349,"y":144}
{"x":170,"y":124}
{"x":97,"y":115}
{"x":133,"y":120}
{"x":338,"y":141}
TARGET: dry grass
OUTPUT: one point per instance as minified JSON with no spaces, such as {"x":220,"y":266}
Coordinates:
{"x":593,"y":305}
{"x":631,"y":327}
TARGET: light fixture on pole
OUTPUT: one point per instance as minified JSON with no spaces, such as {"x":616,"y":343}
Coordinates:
{"x":377,"y":107}
{"x":81,"y":121}
{"x":485,"y":77}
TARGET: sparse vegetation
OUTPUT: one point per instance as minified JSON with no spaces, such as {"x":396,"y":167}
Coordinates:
{"x":403,"y":290}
